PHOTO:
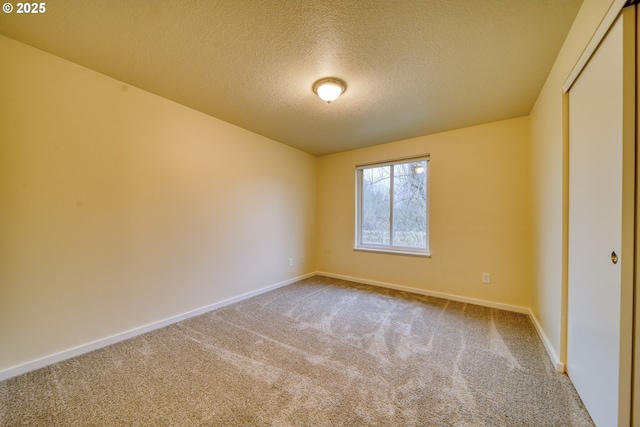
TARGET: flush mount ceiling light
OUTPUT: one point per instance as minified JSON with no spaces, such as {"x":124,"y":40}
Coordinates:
{"x":329,"y":89}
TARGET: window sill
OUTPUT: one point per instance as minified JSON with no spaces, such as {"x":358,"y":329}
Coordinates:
{"x":392,"y":252}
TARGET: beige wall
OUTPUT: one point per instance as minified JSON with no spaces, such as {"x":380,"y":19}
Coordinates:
{"x":119,"y":208}
{"x":479,"y":214}
{"x":548,"y":179}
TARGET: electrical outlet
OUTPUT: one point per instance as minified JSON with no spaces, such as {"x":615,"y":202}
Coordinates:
{"x":486,"y":278}
{"x":290,"y":262}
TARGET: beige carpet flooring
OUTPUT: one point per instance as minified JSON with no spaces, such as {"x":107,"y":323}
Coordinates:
{"x":321,"y":352}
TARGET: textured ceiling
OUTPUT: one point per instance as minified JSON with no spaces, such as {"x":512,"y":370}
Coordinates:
{"x":411,"y":67}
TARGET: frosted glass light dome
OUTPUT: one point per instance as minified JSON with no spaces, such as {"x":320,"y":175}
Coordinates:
{"x":329,"y":89}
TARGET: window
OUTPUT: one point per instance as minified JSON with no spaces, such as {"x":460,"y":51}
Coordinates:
{"x":392,"y":211}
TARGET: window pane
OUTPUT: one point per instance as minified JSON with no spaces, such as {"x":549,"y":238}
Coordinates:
{"x":392,"y":206}
{"x":410,"y":205}
{"x":375,"y":205}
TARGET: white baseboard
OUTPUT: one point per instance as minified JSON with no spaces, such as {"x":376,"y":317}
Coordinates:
{"x":547,"y":344}
{"x":543,"y":337}
{"x":104,"y":342}
{"x":452,"y":297}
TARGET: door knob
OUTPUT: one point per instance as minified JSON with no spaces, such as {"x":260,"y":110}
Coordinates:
{"x":614,"y":257}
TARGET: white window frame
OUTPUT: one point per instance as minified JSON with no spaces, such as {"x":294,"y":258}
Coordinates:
{"x":398,"y":250}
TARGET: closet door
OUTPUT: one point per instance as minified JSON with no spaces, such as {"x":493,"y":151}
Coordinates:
{"x":601,"y":226}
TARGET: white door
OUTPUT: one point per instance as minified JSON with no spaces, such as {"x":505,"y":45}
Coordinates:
{"x":601,"y":227}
